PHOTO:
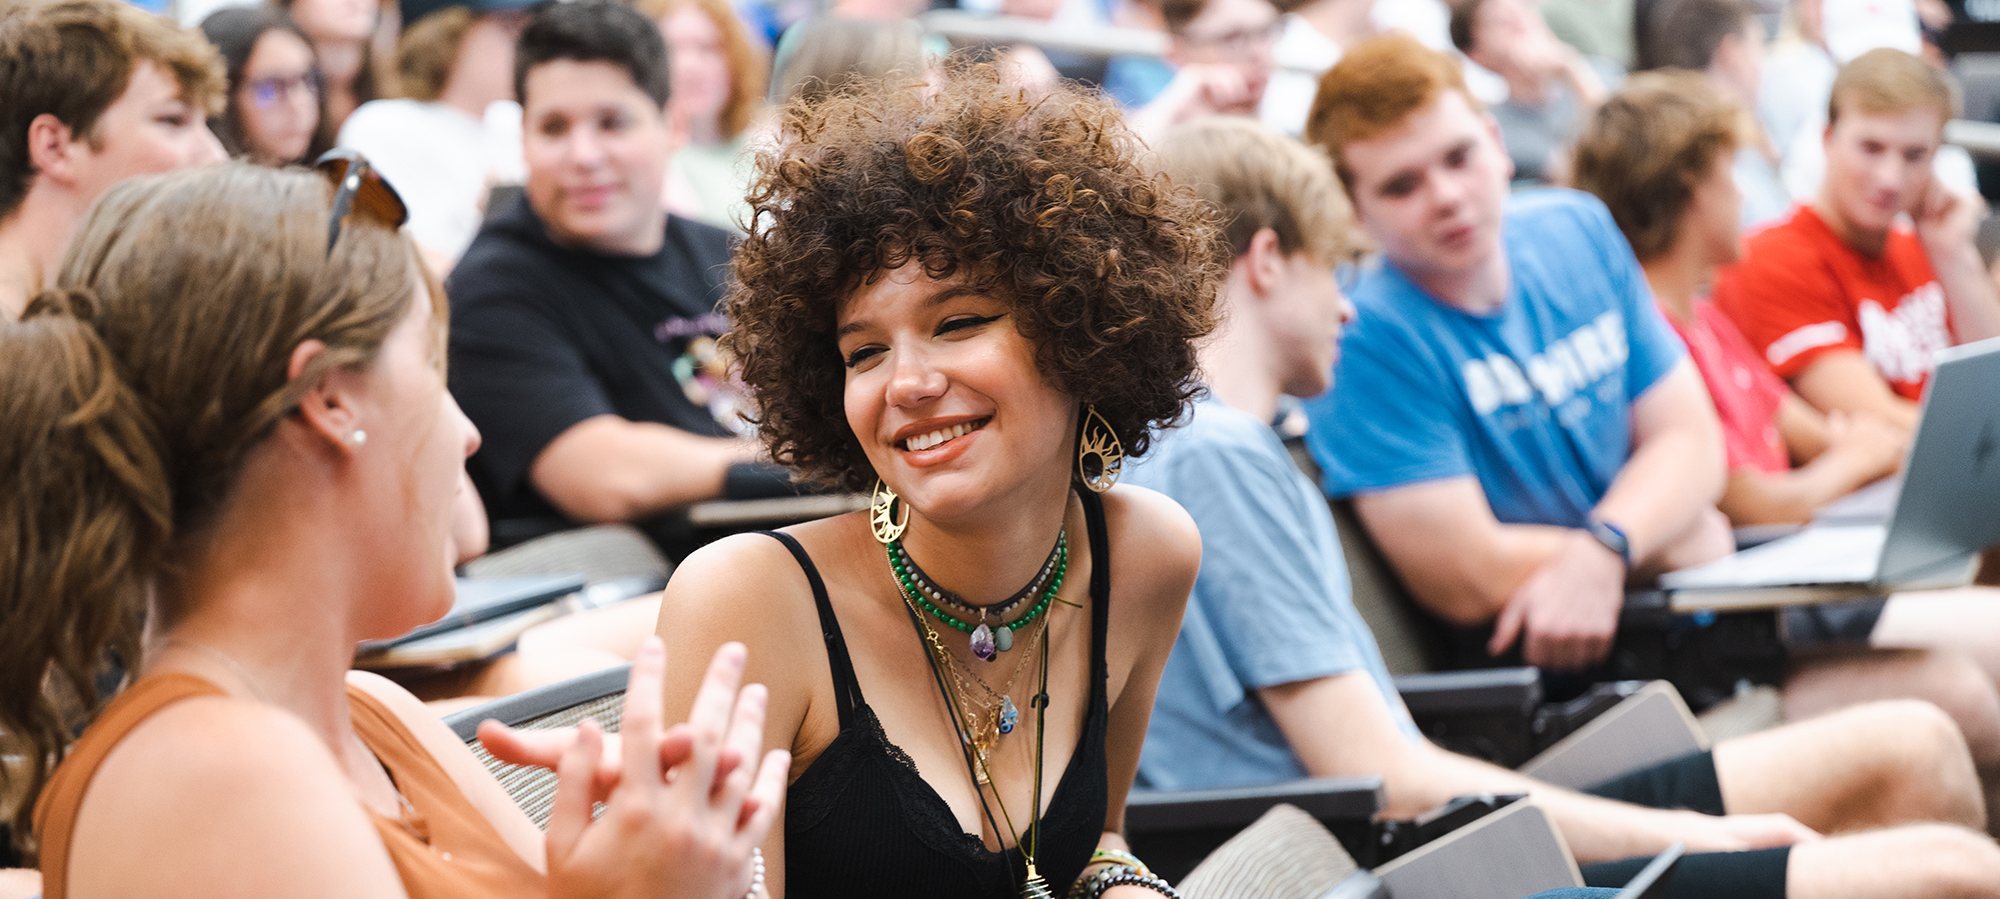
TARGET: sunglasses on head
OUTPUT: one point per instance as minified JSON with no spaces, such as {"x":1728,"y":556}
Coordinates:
{"x":359,"y":190}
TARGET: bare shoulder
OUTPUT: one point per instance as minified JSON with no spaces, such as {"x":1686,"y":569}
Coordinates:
{"x":749,"y":589}
{"x":1155,"y":544}
{"x":277,"y":815}
{"x":734,"y":589}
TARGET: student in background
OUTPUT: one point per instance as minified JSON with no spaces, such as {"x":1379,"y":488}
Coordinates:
{"x":273,"y":114}
{"x":1276,"y":676}
{"x":96,"y":91}
{"x":1551,"y":88}
{"x":345,"y":35}
{"x":583,"y":315}
{"x":1841,"y":299}
{"x":1723,"y":40}
{"x":719,"y":77}
{"x":1222,"y":53}
{"x":1519,"y":428}
{"x":456,"y":133}
{"x":1658,"y":156}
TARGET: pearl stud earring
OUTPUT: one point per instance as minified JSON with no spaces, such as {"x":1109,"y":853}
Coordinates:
{"x":357,"y":438}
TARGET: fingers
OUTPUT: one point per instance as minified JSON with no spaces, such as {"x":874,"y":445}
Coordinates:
{"x":746,"y":736}
{"x":708,"y":720}
{"x":641,"y":730}
{"x":766,"y":792}
{"x":676,"y":747}
{"x":1507,"y":629}
{"x":1563,"y":650}
{"x":538,"y":748}
{"x":569,"y":814}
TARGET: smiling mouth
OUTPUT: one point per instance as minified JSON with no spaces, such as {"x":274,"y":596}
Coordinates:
{"x":942,"y":436}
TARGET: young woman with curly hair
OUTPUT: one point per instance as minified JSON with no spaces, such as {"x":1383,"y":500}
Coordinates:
{"x":961,"y":296}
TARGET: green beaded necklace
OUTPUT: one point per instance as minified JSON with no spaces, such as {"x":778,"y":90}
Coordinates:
{"x":986,"y":642}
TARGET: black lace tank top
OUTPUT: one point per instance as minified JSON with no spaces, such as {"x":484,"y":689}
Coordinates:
{"x":861,"y":822}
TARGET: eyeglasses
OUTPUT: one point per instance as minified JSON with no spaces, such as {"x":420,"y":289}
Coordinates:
{"x":1243,"y":41}
{"x":360,"y":190}
{"x":269,"y":92}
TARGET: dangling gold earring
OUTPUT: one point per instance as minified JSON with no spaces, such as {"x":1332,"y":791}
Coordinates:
{"x":1099,"y":454}
{"x":882,"y":505}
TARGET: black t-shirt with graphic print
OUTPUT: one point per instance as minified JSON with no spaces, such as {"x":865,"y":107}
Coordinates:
{"x":544,"y":336}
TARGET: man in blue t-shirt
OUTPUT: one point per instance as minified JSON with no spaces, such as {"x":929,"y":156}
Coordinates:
{"x":1276,"y":676}
{"x":1520,"y":430}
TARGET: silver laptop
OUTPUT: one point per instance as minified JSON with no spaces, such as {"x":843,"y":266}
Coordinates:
{"x":1945,"y":511}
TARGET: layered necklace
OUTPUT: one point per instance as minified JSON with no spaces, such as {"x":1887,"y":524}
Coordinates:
{"x":982,"y":720}
{"x":989,"y":635}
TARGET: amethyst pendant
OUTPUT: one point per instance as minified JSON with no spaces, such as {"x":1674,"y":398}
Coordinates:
{"x":982,"y":643}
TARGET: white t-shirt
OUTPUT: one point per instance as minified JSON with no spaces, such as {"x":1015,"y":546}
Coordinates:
{"x":441,"y":160}
{"x":1301,"y":54}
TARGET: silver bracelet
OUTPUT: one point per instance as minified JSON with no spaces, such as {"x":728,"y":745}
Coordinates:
{"x":756,"y":873}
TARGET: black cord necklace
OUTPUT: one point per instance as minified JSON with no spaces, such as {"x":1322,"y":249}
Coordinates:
{"x":988,"y":635}
{"x":1032,"y":886}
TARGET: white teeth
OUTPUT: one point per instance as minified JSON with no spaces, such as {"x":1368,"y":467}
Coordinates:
{"x":923,"y":442}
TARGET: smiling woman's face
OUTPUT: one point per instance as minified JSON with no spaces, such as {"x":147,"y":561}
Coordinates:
{"x":945,"y":396}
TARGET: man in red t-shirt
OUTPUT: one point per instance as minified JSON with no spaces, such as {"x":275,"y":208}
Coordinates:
{"x":1843,"y":302}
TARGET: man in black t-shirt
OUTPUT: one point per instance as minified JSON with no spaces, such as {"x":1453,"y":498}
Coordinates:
{"x":583,"y":316}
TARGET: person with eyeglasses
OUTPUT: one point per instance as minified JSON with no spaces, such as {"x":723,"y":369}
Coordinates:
{"x":1222,"y":54}
{"x":275,"y":104}
{"x":95,"y":91}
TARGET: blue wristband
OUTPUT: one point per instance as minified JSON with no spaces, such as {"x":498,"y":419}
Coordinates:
{"x":1613,"y":537}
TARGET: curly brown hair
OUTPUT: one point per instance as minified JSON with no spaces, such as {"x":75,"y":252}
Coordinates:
{"x":1038,"y":196}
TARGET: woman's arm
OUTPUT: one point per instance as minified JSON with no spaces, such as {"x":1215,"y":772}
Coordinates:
{"x":1155,"y":552}
{"x":748,"y":589}
{"x":458,"y":762}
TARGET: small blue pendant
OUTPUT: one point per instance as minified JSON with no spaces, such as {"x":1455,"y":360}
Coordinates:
{"x":982,"y":643}
{"x":1009,"y":716}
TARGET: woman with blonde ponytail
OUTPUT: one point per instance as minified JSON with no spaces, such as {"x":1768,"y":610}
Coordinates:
{"x":231,"y":419}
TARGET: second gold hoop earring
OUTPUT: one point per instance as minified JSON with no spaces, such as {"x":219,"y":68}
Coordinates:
{"x":1100,"y":456}
{"x":882,"y":520}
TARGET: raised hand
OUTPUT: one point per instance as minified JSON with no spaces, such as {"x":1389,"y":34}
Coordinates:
{"x":544,"y":748}
{"x":685,"y":830}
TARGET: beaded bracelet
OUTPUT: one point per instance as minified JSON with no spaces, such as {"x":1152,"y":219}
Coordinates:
{"x":756,"y":873}
{"x":1121,"y":857}
{"x":1140,"y":880}
{"x":1090,"y":886}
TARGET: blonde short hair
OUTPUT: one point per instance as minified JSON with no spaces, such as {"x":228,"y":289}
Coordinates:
{"x":1886,"y":80}
{"x":1257,"y":178}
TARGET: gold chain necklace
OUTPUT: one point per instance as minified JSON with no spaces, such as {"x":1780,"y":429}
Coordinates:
{"x":1033,"y":886}
{"x":995,"y":716}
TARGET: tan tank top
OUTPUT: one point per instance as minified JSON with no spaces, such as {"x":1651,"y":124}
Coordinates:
{"x":444,"y":848}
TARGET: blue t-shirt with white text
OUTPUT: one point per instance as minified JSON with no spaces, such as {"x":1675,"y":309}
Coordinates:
{"x":1533,"y":399}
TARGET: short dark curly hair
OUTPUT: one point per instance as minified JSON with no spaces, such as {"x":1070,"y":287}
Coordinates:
{"x":1039,"y":196}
